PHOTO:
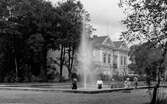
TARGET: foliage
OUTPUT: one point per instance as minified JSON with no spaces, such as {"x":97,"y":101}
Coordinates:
{"x":118,"y":78}
{"x":28,"y":29}
{"x":146,"y":22}
{"x":70,"y":30}
{"x":144,"y":58}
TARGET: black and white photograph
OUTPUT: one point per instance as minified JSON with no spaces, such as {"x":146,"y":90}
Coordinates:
{"x":83,"y":51}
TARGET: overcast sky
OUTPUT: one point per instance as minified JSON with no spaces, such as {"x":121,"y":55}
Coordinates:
{"x":105,"y":16}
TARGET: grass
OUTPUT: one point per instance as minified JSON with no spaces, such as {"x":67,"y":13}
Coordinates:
{"x":32,"y":97}
{"x":162,"y":97}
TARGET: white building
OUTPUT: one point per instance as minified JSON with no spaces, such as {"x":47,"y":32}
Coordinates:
{"x":110,"y":57}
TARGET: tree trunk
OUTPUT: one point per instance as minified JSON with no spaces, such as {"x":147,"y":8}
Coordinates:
{"x":44,"y":64}
{"x":27,"y":76}
{"x":69,"y":61}
{"x":29,"y":73}
{"x":16,"y":69}
{"x":155,"y":90}
{"x":154,"y":98}
{"x":72,"y":58}
{"x":15,"y":53}
{"x":62,"y":56}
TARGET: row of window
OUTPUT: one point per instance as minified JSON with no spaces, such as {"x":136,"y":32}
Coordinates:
{"x":107,"y":59}
{"x":123,"y":60}
{"x":105,"y":56}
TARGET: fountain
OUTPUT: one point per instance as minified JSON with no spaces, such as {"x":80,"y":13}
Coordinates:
{"x":85,"y":58}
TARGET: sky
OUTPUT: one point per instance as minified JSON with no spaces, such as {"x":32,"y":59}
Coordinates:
{"x":105,"y":17}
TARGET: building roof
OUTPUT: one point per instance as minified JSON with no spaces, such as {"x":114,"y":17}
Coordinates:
{"x":118,"y":43}
{"x":98,"y":40}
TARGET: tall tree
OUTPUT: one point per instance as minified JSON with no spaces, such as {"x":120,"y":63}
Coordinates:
{"x":144,"y":58}
{"x":146,"y":21}
{"x":28,"y":26}
{"x":70,"y":30}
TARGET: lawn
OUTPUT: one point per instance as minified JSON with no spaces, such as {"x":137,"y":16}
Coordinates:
{"x":39,"y":97}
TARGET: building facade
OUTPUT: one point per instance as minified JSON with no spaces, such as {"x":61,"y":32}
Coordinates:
{"x":109,"y":57}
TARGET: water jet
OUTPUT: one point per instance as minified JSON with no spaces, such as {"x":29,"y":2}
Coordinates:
{"x":85,"y":58}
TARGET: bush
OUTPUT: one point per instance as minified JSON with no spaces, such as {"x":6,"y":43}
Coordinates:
{"x":35,"y":78}
{"x":11,"y":77}
{"x":118,"y":77}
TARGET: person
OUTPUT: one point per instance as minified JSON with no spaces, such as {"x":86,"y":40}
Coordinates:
{"x":74,"y":83}
{"x":135,"y":82}
{"x":127,"y":83}
{"x":99,"y":84}
{"x":74,"y":80}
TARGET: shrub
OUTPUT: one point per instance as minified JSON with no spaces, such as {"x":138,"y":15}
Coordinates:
{"x":117,"y":77}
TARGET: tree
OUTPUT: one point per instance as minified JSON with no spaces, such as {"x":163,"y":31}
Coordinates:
{"x":10,"y":36}
{"x":146,"y":21}
{"x":144,"y":59}
{"x":39,"y":20}
{"x":70,"y":30}
{"x":34,"y":18}
{"x":28,"y":26}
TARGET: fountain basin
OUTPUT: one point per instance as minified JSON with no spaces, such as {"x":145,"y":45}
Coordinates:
{"x":96,"y":91}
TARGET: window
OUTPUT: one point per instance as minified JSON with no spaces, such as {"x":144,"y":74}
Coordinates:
{"x":125,"y":60}
{"x":122,"y":60}
{"x":104,"y":57}
{"x":115,"y":61}
{"x":94,"y":52}
{"x":109,"y":58}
